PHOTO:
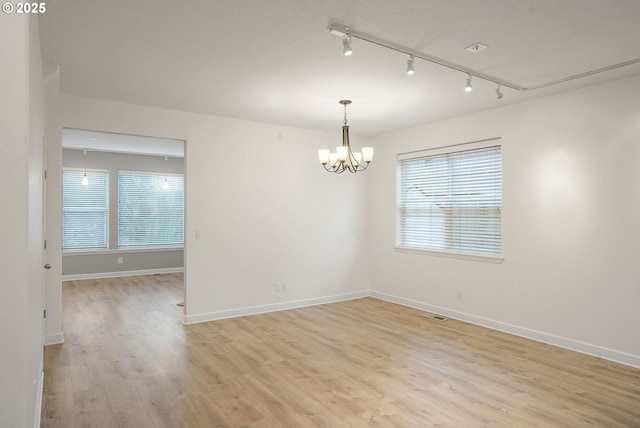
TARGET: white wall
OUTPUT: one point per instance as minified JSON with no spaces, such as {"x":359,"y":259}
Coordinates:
{"x":21,"y":130}
{"x":35,"y":229}
{"x":265,"y":209}
{"x":571,"y":210}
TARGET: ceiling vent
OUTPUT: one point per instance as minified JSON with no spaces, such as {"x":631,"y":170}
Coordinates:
{"x":476,"y":47}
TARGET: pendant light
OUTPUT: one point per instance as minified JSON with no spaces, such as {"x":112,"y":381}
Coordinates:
{"x":165,"y":185}
{"x":344,"y":159}
{"x":85,"y":180}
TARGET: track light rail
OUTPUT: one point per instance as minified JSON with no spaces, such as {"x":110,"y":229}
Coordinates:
{"x":344,"y":31}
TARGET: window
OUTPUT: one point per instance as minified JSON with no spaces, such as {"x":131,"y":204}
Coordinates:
{"x":450,"y":200}
{"x":85,"y":209}
{"x":150,"y":215}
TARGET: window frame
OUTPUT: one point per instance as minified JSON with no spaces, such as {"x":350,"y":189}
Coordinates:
{"x":447,"y":252}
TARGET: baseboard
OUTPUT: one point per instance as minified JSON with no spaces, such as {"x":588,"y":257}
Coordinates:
{"x":39,"y":398}
{"x":273,"y":307}
{"x":117,"y":274}
{"x":54,"y":339}
{"x":551,"y":339}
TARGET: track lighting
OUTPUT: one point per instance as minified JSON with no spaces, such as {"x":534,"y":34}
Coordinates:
{"x":346,"y":45}
{"x":343,"y":31}
{"x":410,"y":69}
{"x":468,"y":88}
{"x":499,"y":93}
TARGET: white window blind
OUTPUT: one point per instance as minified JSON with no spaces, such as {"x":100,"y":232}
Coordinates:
{"x":451,"y":201}
{"x":85,"y":209}
{"x":148,"y":214}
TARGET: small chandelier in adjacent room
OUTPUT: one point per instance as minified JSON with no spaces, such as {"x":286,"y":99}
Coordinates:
{"x":165,"y":185}
{"x":85,"y":180}
{"x":343,"y":159}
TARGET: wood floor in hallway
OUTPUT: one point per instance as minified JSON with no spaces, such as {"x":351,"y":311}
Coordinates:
{"x":129,"y":362}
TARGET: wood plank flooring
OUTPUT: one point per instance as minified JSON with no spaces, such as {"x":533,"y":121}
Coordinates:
{"x":128,"y":362}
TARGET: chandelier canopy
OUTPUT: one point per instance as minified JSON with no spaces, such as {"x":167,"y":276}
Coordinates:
{"x":344,"y":159}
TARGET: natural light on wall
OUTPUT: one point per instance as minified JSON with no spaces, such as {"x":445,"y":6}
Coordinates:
{"x":561,"y":194}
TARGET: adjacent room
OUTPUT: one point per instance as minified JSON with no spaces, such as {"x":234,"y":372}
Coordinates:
{"x":334,"y":213}
{"x":122,"y":205}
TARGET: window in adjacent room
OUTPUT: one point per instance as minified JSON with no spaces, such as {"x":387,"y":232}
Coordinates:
{"x":450,"y":200}
{"x":85,"y":209}
{"x":150,"y":213}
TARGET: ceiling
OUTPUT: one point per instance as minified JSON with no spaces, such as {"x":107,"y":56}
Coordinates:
{"x":80,"y":139}
{"x":274,"y":61}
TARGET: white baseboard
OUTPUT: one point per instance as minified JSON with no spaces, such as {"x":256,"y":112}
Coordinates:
{"x":120,"y":273}
{"x":272,"y":307}
{"x":551,"y":339}
{"x":54,"y":339}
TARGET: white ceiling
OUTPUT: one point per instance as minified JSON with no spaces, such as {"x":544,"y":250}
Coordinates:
{"x":274,"y":61}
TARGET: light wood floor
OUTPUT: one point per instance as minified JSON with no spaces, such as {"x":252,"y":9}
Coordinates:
{"x":128,"y":362}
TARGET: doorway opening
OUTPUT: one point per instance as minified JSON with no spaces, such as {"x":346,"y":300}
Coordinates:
{"x":123,"y":205}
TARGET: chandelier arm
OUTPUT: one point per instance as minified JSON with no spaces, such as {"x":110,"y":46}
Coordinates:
{"x":335,"y":168}
{"x":357,"y":165}
{"x":362,"y":168}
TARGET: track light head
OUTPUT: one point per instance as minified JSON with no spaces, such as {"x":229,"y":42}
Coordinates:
{"x":499,"y":93}
{"x":468,"y":88}
{"x":346,"y":46}
{"x":410,"y":69}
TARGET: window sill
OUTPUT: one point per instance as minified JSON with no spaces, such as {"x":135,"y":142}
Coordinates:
{"x":451,"y":254}
{"x":98,"y":251}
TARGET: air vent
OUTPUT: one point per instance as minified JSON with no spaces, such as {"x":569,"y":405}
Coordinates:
{"x":476,"y":47}
{"x":436,"y":317}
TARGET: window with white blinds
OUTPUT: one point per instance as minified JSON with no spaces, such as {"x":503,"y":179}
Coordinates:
{"x":85,"y":209}
{"x":451,"y":200}
{"x":149,"y":213}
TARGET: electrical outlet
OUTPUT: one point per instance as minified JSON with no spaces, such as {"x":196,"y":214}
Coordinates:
{"x":459,"y":294}
{"x":120,"y":260}
{"x":284,"y":286}
{"x":197,"y":234}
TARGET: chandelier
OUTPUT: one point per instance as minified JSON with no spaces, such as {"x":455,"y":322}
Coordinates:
{"x":343,"y":159}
